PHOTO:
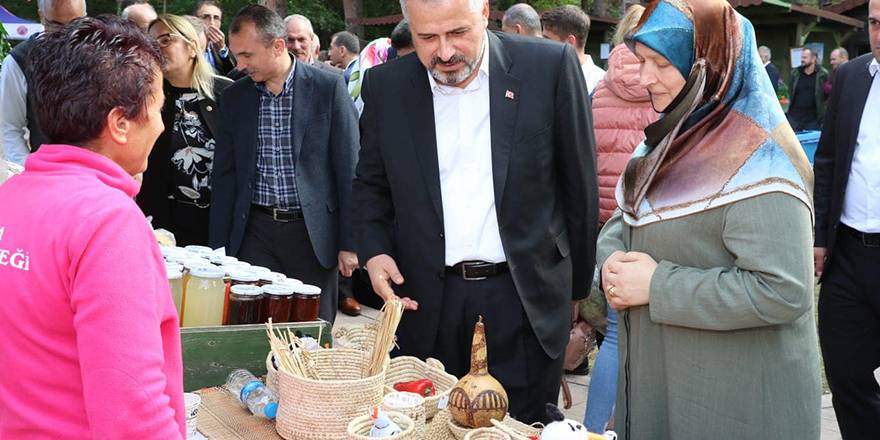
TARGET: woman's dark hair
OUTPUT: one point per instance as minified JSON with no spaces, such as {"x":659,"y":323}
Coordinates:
{"x":77,"y":75}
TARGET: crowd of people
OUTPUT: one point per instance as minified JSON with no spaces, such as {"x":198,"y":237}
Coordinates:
{"x":469,"y":173}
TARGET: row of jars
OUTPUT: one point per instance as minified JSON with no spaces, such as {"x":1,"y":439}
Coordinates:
{"x":210,"y":289}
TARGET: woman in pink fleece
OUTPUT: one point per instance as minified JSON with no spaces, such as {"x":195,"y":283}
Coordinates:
{"x":621,"y":111}
{"x":90,"y":345}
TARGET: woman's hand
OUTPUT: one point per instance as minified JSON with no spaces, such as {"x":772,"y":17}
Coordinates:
{"x":626,"y":279}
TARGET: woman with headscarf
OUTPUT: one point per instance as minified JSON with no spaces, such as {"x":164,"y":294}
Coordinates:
{"x":709,"y":261}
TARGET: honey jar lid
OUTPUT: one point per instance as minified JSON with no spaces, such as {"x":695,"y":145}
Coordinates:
{"x":308,"y":290}
{"x":209,"y":271}
{"x":278,"y":289}
{"x":174,"y":270}
{"x":243,"y":275}
{"x":246,"y":290}
{"x":260,"y":269}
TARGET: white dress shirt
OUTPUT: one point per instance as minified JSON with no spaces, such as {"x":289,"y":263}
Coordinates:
{"x":861,"y":204}
{"x":464,"y":153}
{"x":13,"y":111}
{"x":592,"y":74}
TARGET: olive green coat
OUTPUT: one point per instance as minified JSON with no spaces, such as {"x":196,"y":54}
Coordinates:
{"x":727,"y":347}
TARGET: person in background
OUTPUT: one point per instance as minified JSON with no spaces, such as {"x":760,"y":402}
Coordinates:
{"x":522,"y":19}
{"x":621,"y":111}
{"x":201,"y":31}
{"x":344,"y":51}
{"x":303,"y":43}
{"x":569,"y":24}
{"x":401,"y":40}
{"x":18,"y":122}
{"x":847,"y":244}
{"x":176,"y":188}
{"x":708,"y":261}
{"x":91,"y":340}
{"x":141,"y":14}
{"x":281,"y":184}
{"x":376,"y":52}
{"x":772,"y":71}
{"x":807,"y":103}
{"x":838,"y":58}
{"x":217,"y":53}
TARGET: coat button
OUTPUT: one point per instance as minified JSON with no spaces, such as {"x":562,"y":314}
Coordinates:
{"x":441,"y":235}
{"x":209,"y":108}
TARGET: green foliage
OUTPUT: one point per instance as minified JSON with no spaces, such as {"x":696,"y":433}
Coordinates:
{"x":4,"y":45}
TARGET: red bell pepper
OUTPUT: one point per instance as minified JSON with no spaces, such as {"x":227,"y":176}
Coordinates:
{"x":422,"y":387}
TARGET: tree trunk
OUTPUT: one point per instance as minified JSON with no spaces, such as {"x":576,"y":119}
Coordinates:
{"x":279,"y":6}
{"x":354,"y":8}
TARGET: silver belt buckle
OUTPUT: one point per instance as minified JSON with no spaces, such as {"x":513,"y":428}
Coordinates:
{"x":275,"y":216}
{"x":464,"y":274}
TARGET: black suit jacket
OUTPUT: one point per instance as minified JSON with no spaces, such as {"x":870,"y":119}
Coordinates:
{"x":543,"y":164}
{"x":833,"y":160}
{"x":153,"y":196}
{"x":223,"y":66}
{"x":325,"y":144}
{"x":773,"y":73}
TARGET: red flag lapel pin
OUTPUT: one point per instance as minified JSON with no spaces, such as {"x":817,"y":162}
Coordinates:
{"x":509,"y":95}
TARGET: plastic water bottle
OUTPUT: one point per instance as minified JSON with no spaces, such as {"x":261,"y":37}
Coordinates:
{"x":250,"y":391}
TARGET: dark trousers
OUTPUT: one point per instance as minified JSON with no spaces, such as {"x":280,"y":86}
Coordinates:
{"x":516,"y":358}
{"x":286,"y":247}
{"x":849,"y":332}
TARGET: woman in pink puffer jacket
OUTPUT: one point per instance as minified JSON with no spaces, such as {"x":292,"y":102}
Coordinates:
{"x":621,"y":111}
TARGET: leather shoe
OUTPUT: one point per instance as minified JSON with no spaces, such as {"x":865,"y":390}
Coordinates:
{"x":349,"y":306}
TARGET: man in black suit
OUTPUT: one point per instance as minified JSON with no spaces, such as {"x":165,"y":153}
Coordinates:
{"x":216,"y":53}
{"x":477,"y":186}
{"x":772,"y":71}
{"x":847,"y":248}
{"x":284,"y":161}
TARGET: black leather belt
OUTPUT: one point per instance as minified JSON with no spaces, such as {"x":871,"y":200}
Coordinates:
{"x":867,"y":239}
{"x":477,"y":270}
{"x":280,"y":215}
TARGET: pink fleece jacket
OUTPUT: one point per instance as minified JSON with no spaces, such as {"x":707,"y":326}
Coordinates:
{"x":89,"y":339}
{"x":621,"y":111}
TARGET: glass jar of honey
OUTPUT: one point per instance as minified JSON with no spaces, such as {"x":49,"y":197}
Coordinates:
{"x":306,"y":303}
{"x":245,"y":304}
{"x":204,"y":301}
{"x":243,"y":276}
{"x":277,"y":302}
{"x":175,"y":280}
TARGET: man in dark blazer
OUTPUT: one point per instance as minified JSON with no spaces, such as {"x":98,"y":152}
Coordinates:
{"x":284,"y":161}
{"x":847,"y":243}
{"x":476,"y":195}
{"x":216,"y":53}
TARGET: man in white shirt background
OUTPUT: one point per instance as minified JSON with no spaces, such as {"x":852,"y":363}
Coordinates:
{"x":522,"y":19}
{"x":847,"y":243}
{"x":571,"y":25}
{"x":20,"y":130}
{"x":216,"y":52}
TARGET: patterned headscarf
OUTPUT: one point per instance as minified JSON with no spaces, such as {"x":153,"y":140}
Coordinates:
{"x":724,"y":138}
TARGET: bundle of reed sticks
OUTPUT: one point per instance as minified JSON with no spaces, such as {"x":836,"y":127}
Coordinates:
{"x":392,"y":311}
{"x":290,"y":352}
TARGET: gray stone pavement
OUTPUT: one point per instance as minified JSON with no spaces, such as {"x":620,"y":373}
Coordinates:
{"x":580,"y":384}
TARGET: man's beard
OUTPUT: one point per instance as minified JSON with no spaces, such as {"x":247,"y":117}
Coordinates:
{"x":454,"y":78}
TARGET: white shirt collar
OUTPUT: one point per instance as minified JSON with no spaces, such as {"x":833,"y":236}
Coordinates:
{"x":588,"y":62}
{"x":874,"y":67}
{"x":482,"y":75}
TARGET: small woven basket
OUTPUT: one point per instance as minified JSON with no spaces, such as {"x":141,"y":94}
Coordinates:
{"x":408,"y":404}
{"x":487,"y":434}
{"x":514,"y":428}
{"x":408,"y":368}
{"x":359,"y":337}
{"x":321,"y":409}
{"x":359,"y":428}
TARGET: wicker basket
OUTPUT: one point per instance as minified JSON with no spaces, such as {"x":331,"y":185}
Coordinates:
{"x":512,"y":427}
{"x":438,"y":427}
{"x":359,"y":428}
{"x":486,"y":434}
{"x":359,"y":338}
{"x":271,"y":375}
{"x":409,"y":404}
{"x":321,"y":409}
{"x":408,"y":368}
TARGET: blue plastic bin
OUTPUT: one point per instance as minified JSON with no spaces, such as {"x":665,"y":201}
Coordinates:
{"x":809,"y":142}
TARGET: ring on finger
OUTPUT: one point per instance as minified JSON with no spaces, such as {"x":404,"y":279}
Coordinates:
{"x":611,"y":291}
